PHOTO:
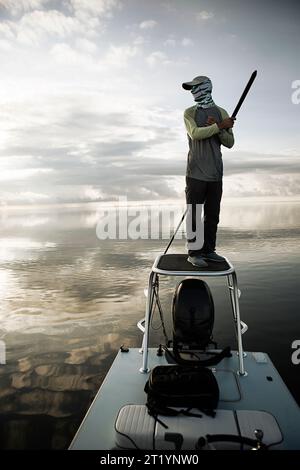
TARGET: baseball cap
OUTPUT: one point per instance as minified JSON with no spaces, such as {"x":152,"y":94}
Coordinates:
{"x":195,"y":81}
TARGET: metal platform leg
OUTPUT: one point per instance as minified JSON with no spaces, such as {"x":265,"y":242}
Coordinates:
{"x":141,"y":350}
{"x":150,"y":297}
{"x":234,"y":297}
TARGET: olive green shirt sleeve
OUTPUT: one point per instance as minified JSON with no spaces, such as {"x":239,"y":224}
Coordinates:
{"x":226,"y":135}
{"x":198,"y":133}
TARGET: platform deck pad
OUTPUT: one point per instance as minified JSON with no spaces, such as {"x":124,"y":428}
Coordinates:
{"x":179,"y":262}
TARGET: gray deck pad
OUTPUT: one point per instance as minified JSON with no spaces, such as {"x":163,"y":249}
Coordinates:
{"x":179,"y":262}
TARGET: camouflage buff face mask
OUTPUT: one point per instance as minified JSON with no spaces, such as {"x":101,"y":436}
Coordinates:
{"x":202,"y":94}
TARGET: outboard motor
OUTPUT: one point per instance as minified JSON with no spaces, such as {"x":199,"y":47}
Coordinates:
{"x":193,"y":321}
{"x":193,"y":315}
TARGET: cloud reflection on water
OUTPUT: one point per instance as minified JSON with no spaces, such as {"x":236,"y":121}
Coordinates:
{"x":69,"y":300}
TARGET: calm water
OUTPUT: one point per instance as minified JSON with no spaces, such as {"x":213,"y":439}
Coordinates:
{"x":69,"y":300}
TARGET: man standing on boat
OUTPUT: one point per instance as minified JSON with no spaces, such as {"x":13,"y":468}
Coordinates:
{"x":208,"y":127}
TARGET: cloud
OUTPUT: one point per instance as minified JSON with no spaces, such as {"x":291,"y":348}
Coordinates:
{"x":252,"y":174}
{"x":84,"y":115}
{"x":5,"y":45}
{"x":157,"y":58}
{"x":86,"y":46}
{"x":204,"y":15}
{"x":72,"y":144}
{"x":94,"y":162}
{"x":262,"y":185}
{"x":18,"y":7}
{"x":160,"y":58}
{"x":262,"y":163}
{"x":98,"y":8}
{"x":138,"y":40}
{"x":24,"y":197}
{"x":63,"y":54}
{"x":170,"y":42}
{"x":88,"y":147}
{"x":84,"y":53}
{"x":187,"y":42}
{"x":68,"y":36}
{"x":148,"y":24}
{"x":20,"y":174}
{"x":83,"y":151}
{"x":118,"y":56}
{"x":38,"y":25}
{"x":7,"y":31}
{"x":31,"y":24}
{"x":79,"y":8}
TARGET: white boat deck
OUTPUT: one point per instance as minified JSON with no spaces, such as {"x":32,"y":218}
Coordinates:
{"x":262,"y":389}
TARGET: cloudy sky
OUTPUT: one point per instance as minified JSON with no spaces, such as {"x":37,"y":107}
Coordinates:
{"x":91,"y":104}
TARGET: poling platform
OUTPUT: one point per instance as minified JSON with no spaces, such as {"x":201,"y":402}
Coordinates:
{"x":177,"y":265}
{"x":173,"y":264}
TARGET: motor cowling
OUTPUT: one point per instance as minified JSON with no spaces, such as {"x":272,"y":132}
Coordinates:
{"x":193,"y":315}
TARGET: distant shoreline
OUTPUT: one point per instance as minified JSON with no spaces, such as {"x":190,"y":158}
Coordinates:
{"x":147,"y":203}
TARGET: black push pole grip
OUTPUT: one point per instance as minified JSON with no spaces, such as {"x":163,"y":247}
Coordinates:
{"x":245,"y":92}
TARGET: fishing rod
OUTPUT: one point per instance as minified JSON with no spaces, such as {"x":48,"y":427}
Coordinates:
{"x":233,"y":116}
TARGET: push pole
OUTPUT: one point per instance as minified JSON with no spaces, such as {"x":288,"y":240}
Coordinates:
{"x":244,"y":94}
